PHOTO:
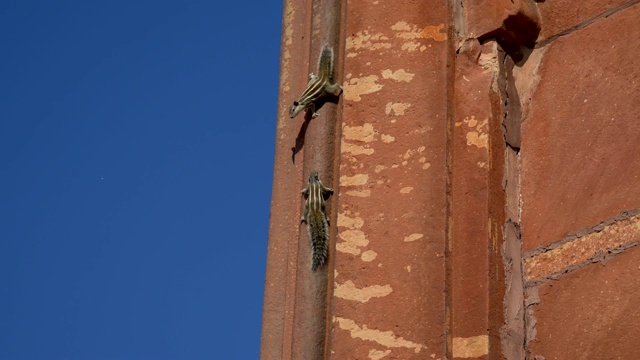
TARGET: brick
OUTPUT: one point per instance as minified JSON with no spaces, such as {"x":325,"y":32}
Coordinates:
{"x":391,"y":198}
{"x":559,"y":15}
{"x":579,"y":151}
{"x":474,"y":132}
{"x":589,"y":314}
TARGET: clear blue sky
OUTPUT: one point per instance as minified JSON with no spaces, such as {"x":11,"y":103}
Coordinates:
{"x":136,"y":157}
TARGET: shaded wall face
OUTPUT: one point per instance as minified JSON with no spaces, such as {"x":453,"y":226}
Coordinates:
{"x":487,"y":183}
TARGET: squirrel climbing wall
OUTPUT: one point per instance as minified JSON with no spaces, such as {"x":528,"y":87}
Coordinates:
{"x":483,"y":157}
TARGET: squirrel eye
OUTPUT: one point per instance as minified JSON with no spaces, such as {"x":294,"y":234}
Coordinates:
{"x":295,"y":103}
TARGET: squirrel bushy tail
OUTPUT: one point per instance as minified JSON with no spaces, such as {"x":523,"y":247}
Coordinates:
{"x":318,"y":233}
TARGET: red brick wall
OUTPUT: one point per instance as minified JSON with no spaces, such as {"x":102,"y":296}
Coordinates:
{"x":487,"y":183}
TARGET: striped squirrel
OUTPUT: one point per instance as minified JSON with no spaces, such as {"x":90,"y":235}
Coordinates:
{"x":319,"y":86}
{"x":316,"y":218}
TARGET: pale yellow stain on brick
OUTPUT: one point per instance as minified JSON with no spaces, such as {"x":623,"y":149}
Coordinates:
{"x":364,"y":133}
{"x":410,"y":46}
{"x":344,"y":220}
{"x":412,"y":33}
{"x":478,"y":135}
{"x":349,"y":291}
{"x":426,"y":165}
{"x":354,"y":149}
{"x":379,"y":168}
{"x":356,"y":87}
{"x":413,"y":237}
{"x":378,"y":354}
{"x":406,"y":190}
{"x":387,"y":138}
{"x":408,"y":268}
{"x":366,"y":40}
{"x":471,"y":347}
{"x":434,"y":32}
{"x":369,"y":256}
{"x":353,"y":240}
{"x":397,"y":108}
{"x":477,"y":139}
{"x":401,"y":26}
{"x":384,"y":338}
{"x":356,"y":180}
{"x":408,"y":154}
{"x":398,"y":75}
{"x":359,"y":193}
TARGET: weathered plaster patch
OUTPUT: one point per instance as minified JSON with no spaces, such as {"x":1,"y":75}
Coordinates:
{"x":365,"y":40}
{"x":349,"y":291}
{"x":397,"y":108}
{"x":369,"y":256}
{"x":434,"y":32}
{"x":353,"y":240}
{"x":364,"y":133}
{"x":359,"y":193}
{"x":354,"y":149}
{"x":387,"y":138}
{"x":477,"y":139}
{"x":398,"y":75}
{"x":411,"y":152}
{"x":356,"y":180}
{"x":413,"y":237}
{"x":379,"y":168}
{"x":384,"y":338}
{"x":410,"y":46}
{"x":471,"y":347}
{"x":349,"y":222}
{"x":378,"y":354}
{"x":356,"y":87}
{"x":478,"y":136}
{"x":406,"y":190}
{"x":410,"y":32}
{"x":489,"y":61}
